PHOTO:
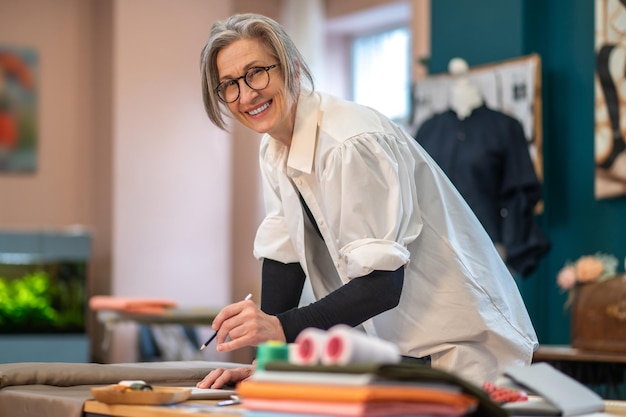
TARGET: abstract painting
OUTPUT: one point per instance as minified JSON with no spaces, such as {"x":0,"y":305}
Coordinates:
{"x":610,"y":99}
{"x":18,"y":105}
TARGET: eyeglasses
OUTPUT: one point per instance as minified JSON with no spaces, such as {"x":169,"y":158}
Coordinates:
{"x":257,"y":78}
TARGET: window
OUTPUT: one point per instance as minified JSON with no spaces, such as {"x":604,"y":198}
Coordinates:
{"x":381,"y":71}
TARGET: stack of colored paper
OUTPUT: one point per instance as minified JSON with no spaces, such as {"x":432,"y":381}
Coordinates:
{"x":364,"y":390}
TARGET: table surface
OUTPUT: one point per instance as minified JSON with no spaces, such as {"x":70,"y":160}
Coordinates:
{"x":615,"y":407}
{"x":568,"y":353}
{"x":175,"y":410}
{"x":544,"y":353}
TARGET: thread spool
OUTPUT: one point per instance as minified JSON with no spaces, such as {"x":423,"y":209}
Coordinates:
{"x":346,"y":345}
{"x":271,"y":351}
{"x":310,"y":344}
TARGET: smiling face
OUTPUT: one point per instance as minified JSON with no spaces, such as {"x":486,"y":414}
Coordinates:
{"x":270,"y":110}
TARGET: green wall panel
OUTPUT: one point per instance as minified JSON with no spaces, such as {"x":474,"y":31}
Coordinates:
{"x":562,"y":32}
{"x":477,"y":30}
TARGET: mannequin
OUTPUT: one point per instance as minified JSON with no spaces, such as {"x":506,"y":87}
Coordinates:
{"x":485,"y":154}
{"x":464,"y":95}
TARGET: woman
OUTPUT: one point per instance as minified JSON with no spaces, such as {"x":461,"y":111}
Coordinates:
{"x":354,"y":204}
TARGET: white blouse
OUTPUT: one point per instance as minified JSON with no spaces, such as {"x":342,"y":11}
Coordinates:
{"x":381,"y":202}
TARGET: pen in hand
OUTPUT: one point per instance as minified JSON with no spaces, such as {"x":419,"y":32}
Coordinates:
{"x":249,"y":296}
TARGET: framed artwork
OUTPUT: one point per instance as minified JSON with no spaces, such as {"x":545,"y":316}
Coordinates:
{"x":610,"y":99}
{"x":18,"y":104}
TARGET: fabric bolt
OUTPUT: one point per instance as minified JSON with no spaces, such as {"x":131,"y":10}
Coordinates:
{"x":346,"y":345}
{"x":60,"y":389}
{"x":310,"y":345}
{"x":381,"y":203}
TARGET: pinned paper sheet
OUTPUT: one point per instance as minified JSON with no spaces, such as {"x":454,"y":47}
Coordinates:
{"x":341,"y":345}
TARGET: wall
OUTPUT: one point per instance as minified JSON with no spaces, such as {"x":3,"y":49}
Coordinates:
{"x":58,"y":194}
{"x":101,"y":264}
{"x":563,"y":35}
{"x":171,"y":176}
{"x":480,"y":32}
{"x":173,"y":203}
{"x":125,"y":148}
{"x":337,"y":8}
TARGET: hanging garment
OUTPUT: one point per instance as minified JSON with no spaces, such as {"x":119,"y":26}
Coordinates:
{"x":486,"y":157}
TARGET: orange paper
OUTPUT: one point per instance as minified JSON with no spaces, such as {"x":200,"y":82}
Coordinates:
{"x":345,"y":393}
{"x":131,"y":304}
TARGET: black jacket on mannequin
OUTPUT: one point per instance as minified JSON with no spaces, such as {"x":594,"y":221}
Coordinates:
{"x":486,"y":156}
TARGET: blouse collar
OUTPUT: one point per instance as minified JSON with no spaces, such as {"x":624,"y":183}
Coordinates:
{"x":308,"y":117}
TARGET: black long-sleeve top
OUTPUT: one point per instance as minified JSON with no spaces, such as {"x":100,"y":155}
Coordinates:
{"x":351,"y":304}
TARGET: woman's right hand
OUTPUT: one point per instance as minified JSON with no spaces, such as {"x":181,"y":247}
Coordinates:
{"x":220,"y":377}
{"x":244,"y":324}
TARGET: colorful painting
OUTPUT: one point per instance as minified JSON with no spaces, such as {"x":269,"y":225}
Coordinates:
{"x":18,"y":102}
{"x":610,"y":99}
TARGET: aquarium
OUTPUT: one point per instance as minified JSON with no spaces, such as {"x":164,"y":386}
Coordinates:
{"x":42,"y":298}
{"x":43,"y":282}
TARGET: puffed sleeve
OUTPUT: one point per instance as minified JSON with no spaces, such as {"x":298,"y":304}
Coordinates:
{"x":370,"y":196}
{"x":272,"y":239}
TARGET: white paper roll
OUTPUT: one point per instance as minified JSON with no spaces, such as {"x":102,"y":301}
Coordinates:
{"x":345,"y":345}
{"x":310,"y":344}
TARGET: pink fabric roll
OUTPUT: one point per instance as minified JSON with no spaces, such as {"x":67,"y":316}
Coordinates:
{"x":345,"y":345}
{"x":310,"y":344}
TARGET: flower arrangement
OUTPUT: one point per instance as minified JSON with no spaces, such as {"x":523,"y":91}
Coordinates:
{"x":586,"y":269}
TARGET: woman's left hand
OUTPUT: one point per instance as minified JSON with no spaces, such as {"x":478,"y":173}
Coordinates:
{"x":220,"y":377}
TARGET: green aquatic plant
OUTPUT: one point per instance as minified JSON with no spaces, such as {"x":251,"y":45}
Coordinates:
{"x":43,"y":298}
{"x":26,"y":303}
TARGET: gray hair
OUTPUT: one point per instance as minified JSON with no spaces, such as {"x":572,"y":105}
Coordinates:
{"x":293,"y":67}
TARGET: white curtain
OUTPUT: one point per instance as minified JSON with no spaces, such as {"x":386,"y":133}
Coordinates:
{"x":382,"y":79}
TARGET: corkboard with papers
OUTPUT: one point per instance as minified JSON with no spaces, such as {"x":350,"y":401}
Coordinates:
{"x":511,"y":86}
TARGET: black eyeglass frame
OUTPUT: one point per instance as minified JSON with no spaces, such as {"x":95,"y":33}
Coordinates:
{"x":250,"y":70}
